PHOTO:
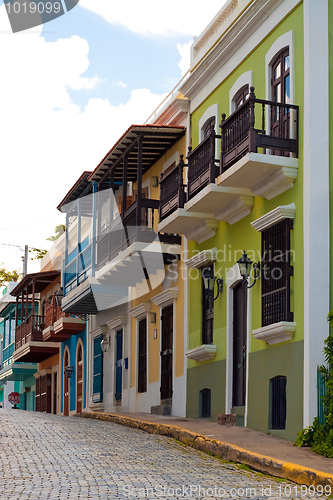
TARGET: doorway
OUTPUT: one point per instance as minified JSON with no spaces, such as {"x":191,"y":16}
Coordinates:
{"x":79,"y":379}
{"x":66,"y":385}
{"x":239,"y":345}
{"x":166,"y":352}
{"x":119,"y":368}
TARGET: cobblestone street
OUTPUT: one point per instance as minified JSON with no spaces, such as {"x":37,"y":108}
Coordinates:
{"x":47,"y":456}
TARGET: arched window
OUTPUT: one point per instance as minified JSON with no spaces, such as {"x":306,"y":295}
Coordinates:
{"x":241,"y":96}
{"x":207,"y":127}
{"x":281,"y":77}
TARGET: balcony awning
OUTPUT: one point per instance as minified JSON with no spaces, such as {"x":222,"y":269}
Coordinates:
{"x":82,"y":187}
{"x":18,"y":371}
{"x":156,"y":141}
{"x":42,"y":280}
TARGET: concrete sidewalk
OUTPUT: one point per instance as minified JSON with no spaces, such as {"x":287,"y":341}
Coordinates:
{"x":260,"y":451}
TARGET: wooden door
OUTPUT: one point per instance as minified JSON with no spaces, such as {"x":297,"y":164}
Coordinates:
{"x":239,"y":345}
{"x":66,"y":386}
{"x":166,"y":352}
{"x":79,"y":380}
{"x":119,"y":368}
{"x":55,"y":392}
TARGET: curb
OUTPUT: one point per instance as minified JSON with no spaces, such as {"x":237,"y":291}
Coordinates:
{"x":229,"y":452}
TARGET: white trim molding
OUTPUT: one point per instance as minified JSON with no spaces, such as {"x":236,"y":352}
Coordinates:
{"x":284,"y":41}
{"x":275,"y":333}
{"x":140,"y":311}
{"x":100,"y":330}
{"x":202,"y":258}
{"x":244,"y":79}
{"x":274,"y":216}
{"x":203,"y":352}
{"x":166,"y":297}
{"x":213,"y":110}
{"x":116,"y":322}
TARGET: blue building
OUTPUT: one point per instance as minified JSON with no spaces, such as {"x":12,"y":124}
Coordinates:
{"x":14,"y":376}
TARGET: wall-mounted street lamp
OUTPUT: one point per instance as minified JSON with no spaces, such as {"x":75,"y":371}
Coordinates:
{"x":69,"y":371}
{"x":209,"y":280}
{"x":245,"y":264}
{"x":105,"y":343}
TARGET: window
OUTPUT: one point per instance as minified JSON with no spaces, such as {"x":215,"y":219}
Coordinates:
{"x":281,"y":78}
{"x":142,"y":360}
{"x":280,"y":117}
{"x":278,"y":404}
{"x":205,"y":403}
{"x":276,"y":272}
{"x":207,"y":127}
{"x":241,"y":96}
{"x":97,"y":369}
{"x":207,"y":314}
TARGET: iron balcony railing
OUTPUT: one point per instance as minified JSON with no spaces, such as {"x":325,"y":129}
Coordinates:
{"x":259,"y":126}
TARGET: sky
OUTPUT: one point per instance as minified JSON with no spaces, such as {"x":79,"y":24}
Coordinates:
{"x":68,"y":91}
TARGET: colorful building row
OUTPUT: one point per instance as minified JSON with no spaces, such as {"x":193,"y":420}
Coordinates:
{"x":193,"y":278}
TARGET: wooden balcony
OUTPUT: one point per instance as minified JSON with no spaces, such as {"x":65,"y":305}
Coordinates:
{"x":259,"y":147}
{"x":259,"y":157}
{"x":29,"y":345}
{"x":59,"y":326}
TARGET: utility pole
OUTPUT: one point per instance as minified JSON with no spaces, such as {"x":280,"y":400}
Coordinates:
{"x":25,"y":260}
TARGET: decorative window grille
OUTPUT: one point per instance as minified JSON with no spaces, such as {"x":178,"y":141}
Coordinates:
{"x":276,"y":272}
{"x":142,"y":360}
{"x":278,"y":402}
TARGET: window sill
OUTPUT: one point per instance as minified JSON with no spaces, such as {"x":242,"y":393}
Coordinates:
{"x":275,"y":333}
{"x":202,"y":353}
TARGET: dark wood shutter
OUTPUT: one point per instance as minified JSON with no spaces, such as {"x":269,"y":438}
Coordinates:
{"x":207,"y":314}
{"x":142,"y":359}
{"x":276,"y":272}
{"x":166,"y":352}
{"x":278,"y":402}
{"x":98,"y":370}
{"x":205,"y":403}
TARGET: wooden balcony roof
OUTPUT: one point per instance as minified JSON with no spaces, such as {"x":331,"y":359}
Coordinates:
{"x":156,"y":140}
{"x":41,"y":280}
{"x":81,"y":188}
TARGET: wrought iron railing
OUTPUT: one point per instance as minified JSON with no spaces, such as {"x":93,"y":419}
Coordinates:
{"x":259,"y":125}
{"x":30,"y":329}
{"x":202,"y":164}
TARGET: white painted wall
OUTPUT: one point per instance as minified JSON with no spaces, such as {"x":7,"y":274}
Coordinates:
{"x":316,"y":196}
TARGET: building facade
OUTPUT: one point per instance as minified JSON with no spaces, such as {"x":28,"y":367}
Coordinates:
{"x":254,"y":184}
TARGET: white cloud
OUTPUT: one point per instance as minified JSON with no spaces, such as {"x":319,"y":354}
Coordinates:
{"x":150,"y":17}
{"x":185,"y":52}
{"x":120,"y":84}
{"x":47,"y":141}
